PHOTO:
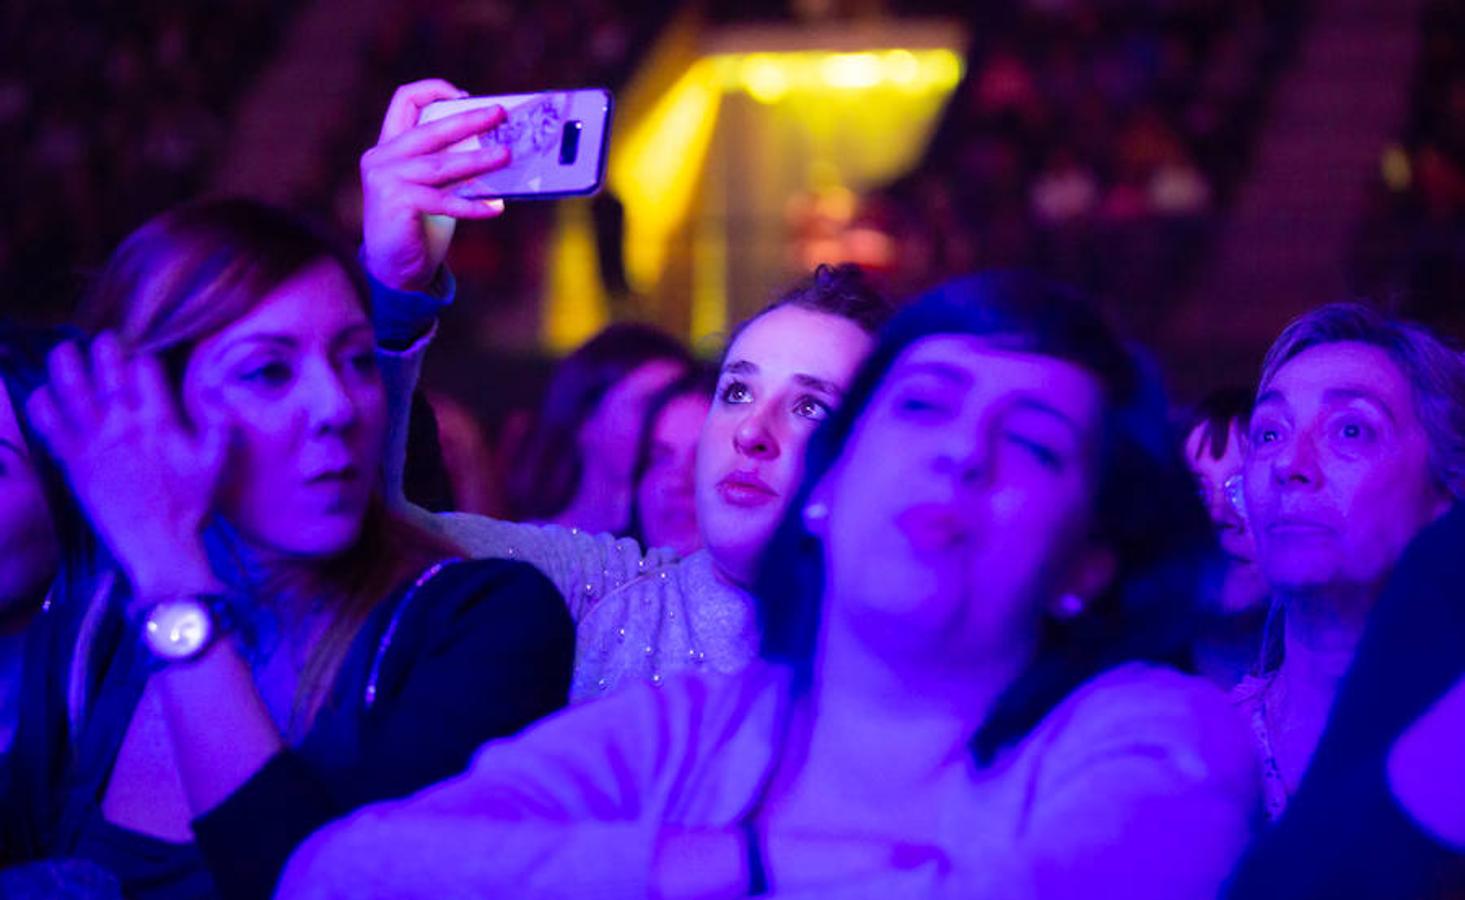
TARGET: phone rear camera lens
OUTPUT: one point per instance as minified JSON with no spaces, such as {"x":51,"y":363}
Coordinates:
{"x":570,"y":144}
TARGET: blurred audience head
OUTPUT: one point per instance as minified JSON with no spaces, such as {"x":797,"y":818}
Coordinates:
{"x":663,"y":502}
{"x":1357,"y":440}
{"x":1215,"y":444}
{"x":999,"y":489}
{"x":32,"y":493}
{"x":578,"y":458}
{"x":784,"y":371}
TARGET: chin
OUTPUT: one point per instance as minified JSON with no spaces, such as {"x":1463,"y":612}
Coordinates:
{"x":325,"y":537}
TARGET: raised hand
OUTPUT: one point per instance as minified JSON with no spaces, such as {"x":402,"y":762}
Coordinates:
{"x":408,"y":206}
{"x":145,"y":478}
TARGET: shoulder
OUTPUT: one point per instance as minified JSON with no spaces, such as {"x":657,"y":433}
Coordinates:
{"x":1150,"y":711}
{"x":504,"y":596}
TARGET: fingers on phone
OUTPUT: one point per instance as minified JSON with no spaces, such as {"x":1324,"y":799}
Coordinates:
{"x":446,"y":204}
{"x":447,"y":168}
{"x":407,"y":103}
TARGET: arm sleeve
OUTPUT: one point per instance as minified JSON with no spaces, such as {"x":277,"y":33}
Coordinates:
{"x":488,"y":660}
{"x":570,"y":809}
{"x":584,"y":567}
{"x":1149,"y":785}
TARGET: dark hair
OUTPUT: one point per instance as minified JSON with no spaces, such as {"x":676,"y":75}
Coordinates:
{"x":699,"y":381}
{"x":545,"y":474}
{"x":842,"y":291}
{"x":1215,"y":414}
{"x":1145,"y":511}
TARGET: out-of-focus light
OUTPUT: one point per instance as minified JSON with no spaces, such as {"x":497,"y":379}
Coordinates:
{"x":763,"y":78}
{"x":851,"y":71}
{"x":901,"y":67}
{"x":1396,"y":169}
{"x":941,"y":69}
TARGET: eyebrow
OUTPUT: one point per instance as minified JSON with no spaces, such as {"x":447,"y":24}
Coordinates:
{"x":1031,"y":403}
{"x":813,"y":382}
{"x":285,"y":340}
{"x":14,"y":448}
{"x":944,"y":371}
{"x":1346,"y":394}
{"x":1336,"y":395}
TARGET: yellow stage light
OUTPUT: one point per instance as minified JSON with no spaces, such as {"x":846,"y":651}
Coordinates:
{"x":850,"y":71}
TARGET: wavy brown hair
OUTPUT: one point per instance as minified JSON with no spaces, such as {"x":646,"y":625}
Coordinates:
{"x":183,"y":277}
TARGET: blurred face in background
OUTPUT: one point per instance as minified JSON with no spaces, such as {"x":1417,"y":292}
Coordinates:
{"x":783,"y":374}
{"x":1337,"y":476}
{"x":608,"y":438}
{"x":1219,"y":480}
{"x":666,"y":495}
{"x":28,"y":546}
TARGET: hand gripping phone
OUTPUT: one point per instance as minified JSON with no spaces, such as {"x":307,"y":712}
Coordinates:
{"x":556,"y":141}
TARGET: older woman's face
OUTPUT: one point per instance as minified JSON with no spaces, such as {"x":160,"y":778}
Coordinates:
{"x":1337,"y":477}
{"x":960,"y":506}
{"x":28,"y":547}
{"x":297,"y":379}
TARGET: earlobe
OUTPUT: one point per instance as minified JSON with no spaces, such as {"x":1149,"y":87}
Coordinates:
{"x":815,"y":514}
{"x":1090,"y":576}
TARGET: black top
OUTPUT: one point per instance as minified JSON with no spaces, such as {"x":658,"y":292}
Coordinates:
{"x":477,"y":652}
{"x":1343,"y":835}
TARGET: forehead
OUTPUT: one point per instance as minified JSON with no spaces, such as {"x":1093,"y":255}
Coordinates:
{"x":971,"y":363}
{"x":792,"y":340}
{"x":1341,"y":367}
{"x":319,"y":301}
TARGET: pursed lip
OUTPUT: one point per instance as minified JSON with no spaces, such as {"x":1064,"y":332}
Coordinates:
{"x":1298,"y":525}
{"x":745,"y":488}
{"x":933,"y":526}
{"x":334,"y":475}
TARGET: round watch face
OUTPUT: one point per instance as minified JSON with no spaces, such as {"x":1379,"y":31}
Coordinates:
{"x":178,"y":629}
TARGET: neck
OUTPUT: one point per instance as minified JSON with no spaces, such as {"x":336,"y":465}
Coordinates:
{"x":1321,"y":633}
{"x":881,"y":727}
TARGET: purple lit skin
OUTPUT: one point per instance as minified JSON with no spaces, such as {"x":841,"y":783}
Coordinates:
{"x":28,"y":545}
{"x":1337,"y":478}
{"x":307,"y":411}
{"x":608,"y":438}
{"x":784,"y":373}
{"x":666,"y":496}
{"x":960,"y":508}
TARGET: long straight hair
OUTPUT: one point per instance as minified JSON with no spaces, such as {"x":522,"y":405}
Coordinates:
{"x":186,"y":275}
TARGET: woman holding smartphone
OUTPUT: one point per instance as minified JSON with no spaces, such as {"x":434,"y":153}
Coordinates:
{"x":642,"y":615}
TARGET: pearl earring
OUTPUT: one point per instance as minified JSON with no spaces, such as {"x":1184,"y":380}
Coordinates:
{"x":1069,"y":606}
{"x":815,"y":512}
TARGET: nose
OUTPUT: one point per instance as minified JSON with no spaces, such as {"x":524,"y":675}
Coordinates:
{"x":327,"y":401}
{"x":966,"y":453}
{"x":1296,"y":462}
{"x":755,"y":436}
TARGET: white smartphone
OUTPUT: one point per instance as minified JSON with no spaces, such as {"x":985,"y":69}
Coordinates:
{"x":556,"y":142}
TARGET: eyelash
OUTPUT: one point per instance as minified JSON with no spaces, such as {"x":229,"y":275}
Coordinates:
{"x":726,"y":394}
{"x":1045,"y":455}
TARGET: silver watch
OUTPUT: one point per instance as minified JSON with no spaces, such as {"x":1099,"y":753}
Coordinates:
{"x":179,"y":628}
